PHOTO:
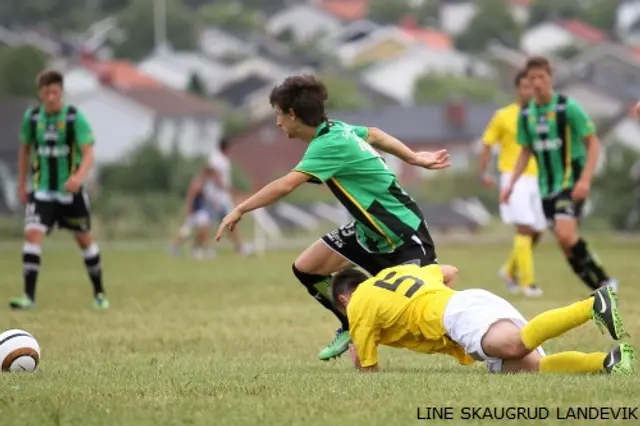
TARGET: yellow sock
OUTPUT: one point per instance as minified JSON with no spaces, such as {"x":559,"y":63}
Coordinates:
{"x":510,"y":267}
{"x":573,"y":362}
{"x":555,"y":322}
{"x":523,"y":250}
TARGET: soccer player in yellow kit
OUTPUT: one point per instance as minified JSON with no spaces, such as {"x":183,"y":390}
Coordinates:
{"x":524,"y":209}
{"x":411,"y":307}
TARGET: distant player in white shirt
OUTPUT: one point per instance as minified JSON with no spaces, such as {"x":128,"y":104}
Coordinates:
{"x":199,"y":209}
{"x":222,"y":199}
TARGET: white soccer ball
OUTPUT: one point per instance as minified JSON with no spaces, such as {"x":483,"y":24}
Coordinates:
{"x":19,"y":351}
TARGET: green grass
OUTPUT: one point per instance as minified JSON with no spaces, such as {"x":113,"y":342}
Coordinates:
{"x":234,"y":342}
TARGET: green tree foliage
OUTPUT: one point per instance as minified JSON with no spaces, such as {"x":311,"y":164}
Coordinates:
{"x":19,"y":67}
{"x":493,"y":21}
{"x":137,"y":22}
{"x":433,"y":88}
{"x":344,"y":93}
{"x":196,"y":86}
{"x":546,"y":10}
{"x":601,"y":14}
{"x":229,"y":15}
{"x":389,"y":12}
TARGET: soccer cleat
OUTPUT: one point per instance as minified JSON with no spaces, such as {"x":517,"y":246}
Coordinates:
{"x":337,"y":347}
{"x":23,"y":302}
{"x":511,"y":282}
{"x":606,"y":314}
{"x":619,"y":360}
{"x":613,"y":283}
{"x":101,"y":302}
{"x":532,"y":291}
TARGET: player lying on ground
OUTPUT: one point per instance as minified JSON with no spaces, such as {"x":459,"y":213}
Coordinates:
{"x":562,"y":138}
{"x":411,"y":307}
{"x":524,"y":210}
{"x":57,"y":142}
{"x":389,"y":228}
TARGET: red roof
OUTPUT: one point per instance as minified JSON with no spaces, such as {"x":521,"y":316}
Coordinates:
{"x":429,"y":37}
{"x":348,"y":10}
{"x":119,"y":73}
{"x":583,"y":30}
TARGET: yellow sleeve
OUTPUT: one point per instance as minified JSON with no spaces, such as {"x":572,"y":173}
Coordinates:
{"x":493,"y":133}
{"x":433,"y":271}
{"x":364,"y":334}
{"x":458,"y":353}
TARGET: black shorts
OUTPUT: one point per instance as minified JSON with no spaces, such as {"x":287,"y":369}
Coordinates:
{"x":343,"y":241}
{"x":45,"y":215}
{"x":562,"y":205}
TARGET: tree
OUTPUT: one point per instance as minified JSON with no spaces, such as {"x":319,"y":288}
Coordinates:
{"x":196,"y":86}
{"x":229,"y":15}
{"x":546,"y":10}
{"x":601,"y":14}
{"x":388,"y":12}
{"x":137,"y":22}
{"x":434,"y":88}
{"x":19,"y":67}
{"x":493,"y":21}
{"x":344,"y":93}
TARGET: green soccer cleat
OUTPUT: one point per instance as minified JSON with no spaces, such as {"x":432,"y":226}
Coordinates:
{"x":337,"y":347}
{"x":606,"y":314}
{"x":101,"y":302}
{"x":23,"y":302}
{"x":619,"y":360}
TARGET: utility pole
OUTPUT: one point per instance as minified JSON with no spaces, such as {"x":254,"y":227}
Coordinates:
{"x":160,"y":23}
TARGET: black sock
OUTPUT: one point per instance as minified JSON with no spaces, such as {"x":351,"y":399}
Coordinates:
{"x":590,"y":271}
{"x":92,"y":262}
{"x":310,"y":281}
{"x":30,"y":268}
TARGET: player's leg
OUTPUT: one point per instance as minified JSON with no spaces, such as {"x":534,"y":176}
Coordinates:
{"x":523,"y":213}
{"x":201,"y":222}
{"x":39,"y":220}
{"x":508,"y":272}
{"x":336,"y":251}
{"x":76,"y":217}
{"x":183,"y":234}
{"x":584,"y":263}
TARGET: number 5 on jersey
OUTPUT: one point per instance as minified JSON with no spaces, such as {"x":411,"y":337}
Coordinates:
{"x":387,"y":284}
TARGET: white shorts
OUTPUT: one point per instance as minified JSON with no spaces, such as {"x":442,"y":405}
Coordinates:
{"x":525,"y":204}
{"x":469,"y":315}
{"x":198,"y":219}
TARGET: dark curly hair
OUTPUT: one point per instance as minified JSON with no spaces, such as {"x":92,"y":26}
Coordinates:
{"x":345,"y":282}
{"x":305,"y":95}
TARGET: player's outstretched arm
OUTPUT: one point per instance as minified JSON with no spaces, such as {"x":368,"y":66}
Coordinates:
{"x":387,"y":143}
{"x":268,"y":195}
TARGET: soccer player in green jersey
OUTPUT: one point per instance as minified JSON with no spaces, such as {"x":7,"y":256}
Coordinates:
{"x":562,"y":138}
{"x":388,"y":227}
{"x":57,"y":142}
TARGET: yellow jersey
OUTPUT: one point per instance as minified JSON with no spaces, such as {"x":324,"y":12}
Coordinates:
{"x":503,"y":130}
{"x":402,"y":307}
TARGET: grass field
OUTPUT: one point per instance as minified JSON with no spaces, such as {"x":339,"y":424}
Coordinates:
{"x":234,"y":342}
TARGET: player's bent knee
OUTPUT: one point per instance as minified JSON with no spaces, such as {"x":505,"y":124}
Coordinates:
{"x":84,"y":239}
{"x":34,"y":235}
{"x":502,"y":340}
{"x":530,"y":363}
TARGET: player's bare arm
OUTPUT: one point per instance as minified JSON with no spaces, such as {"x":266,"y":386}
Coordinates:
{"x":449,"y":274}
{"x":268,"y":195}
{"x":583,"y":186}
{"x":75,"y":181}
{"x":521,"y":165}
{"x":387,"y":143}
{"x":24,"y":152}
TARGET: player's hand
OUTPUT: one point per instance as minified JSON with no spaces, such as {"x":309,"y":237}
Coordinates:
{"x":354,"y":356}
{"x":23,"y":195}
{"x":505,"y":194}
{"x":581,"y":190}
{"x":488,"y":181}
{"x":73,"y":184}
{"x":432,"y":160}
{"x":230,"y":221}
